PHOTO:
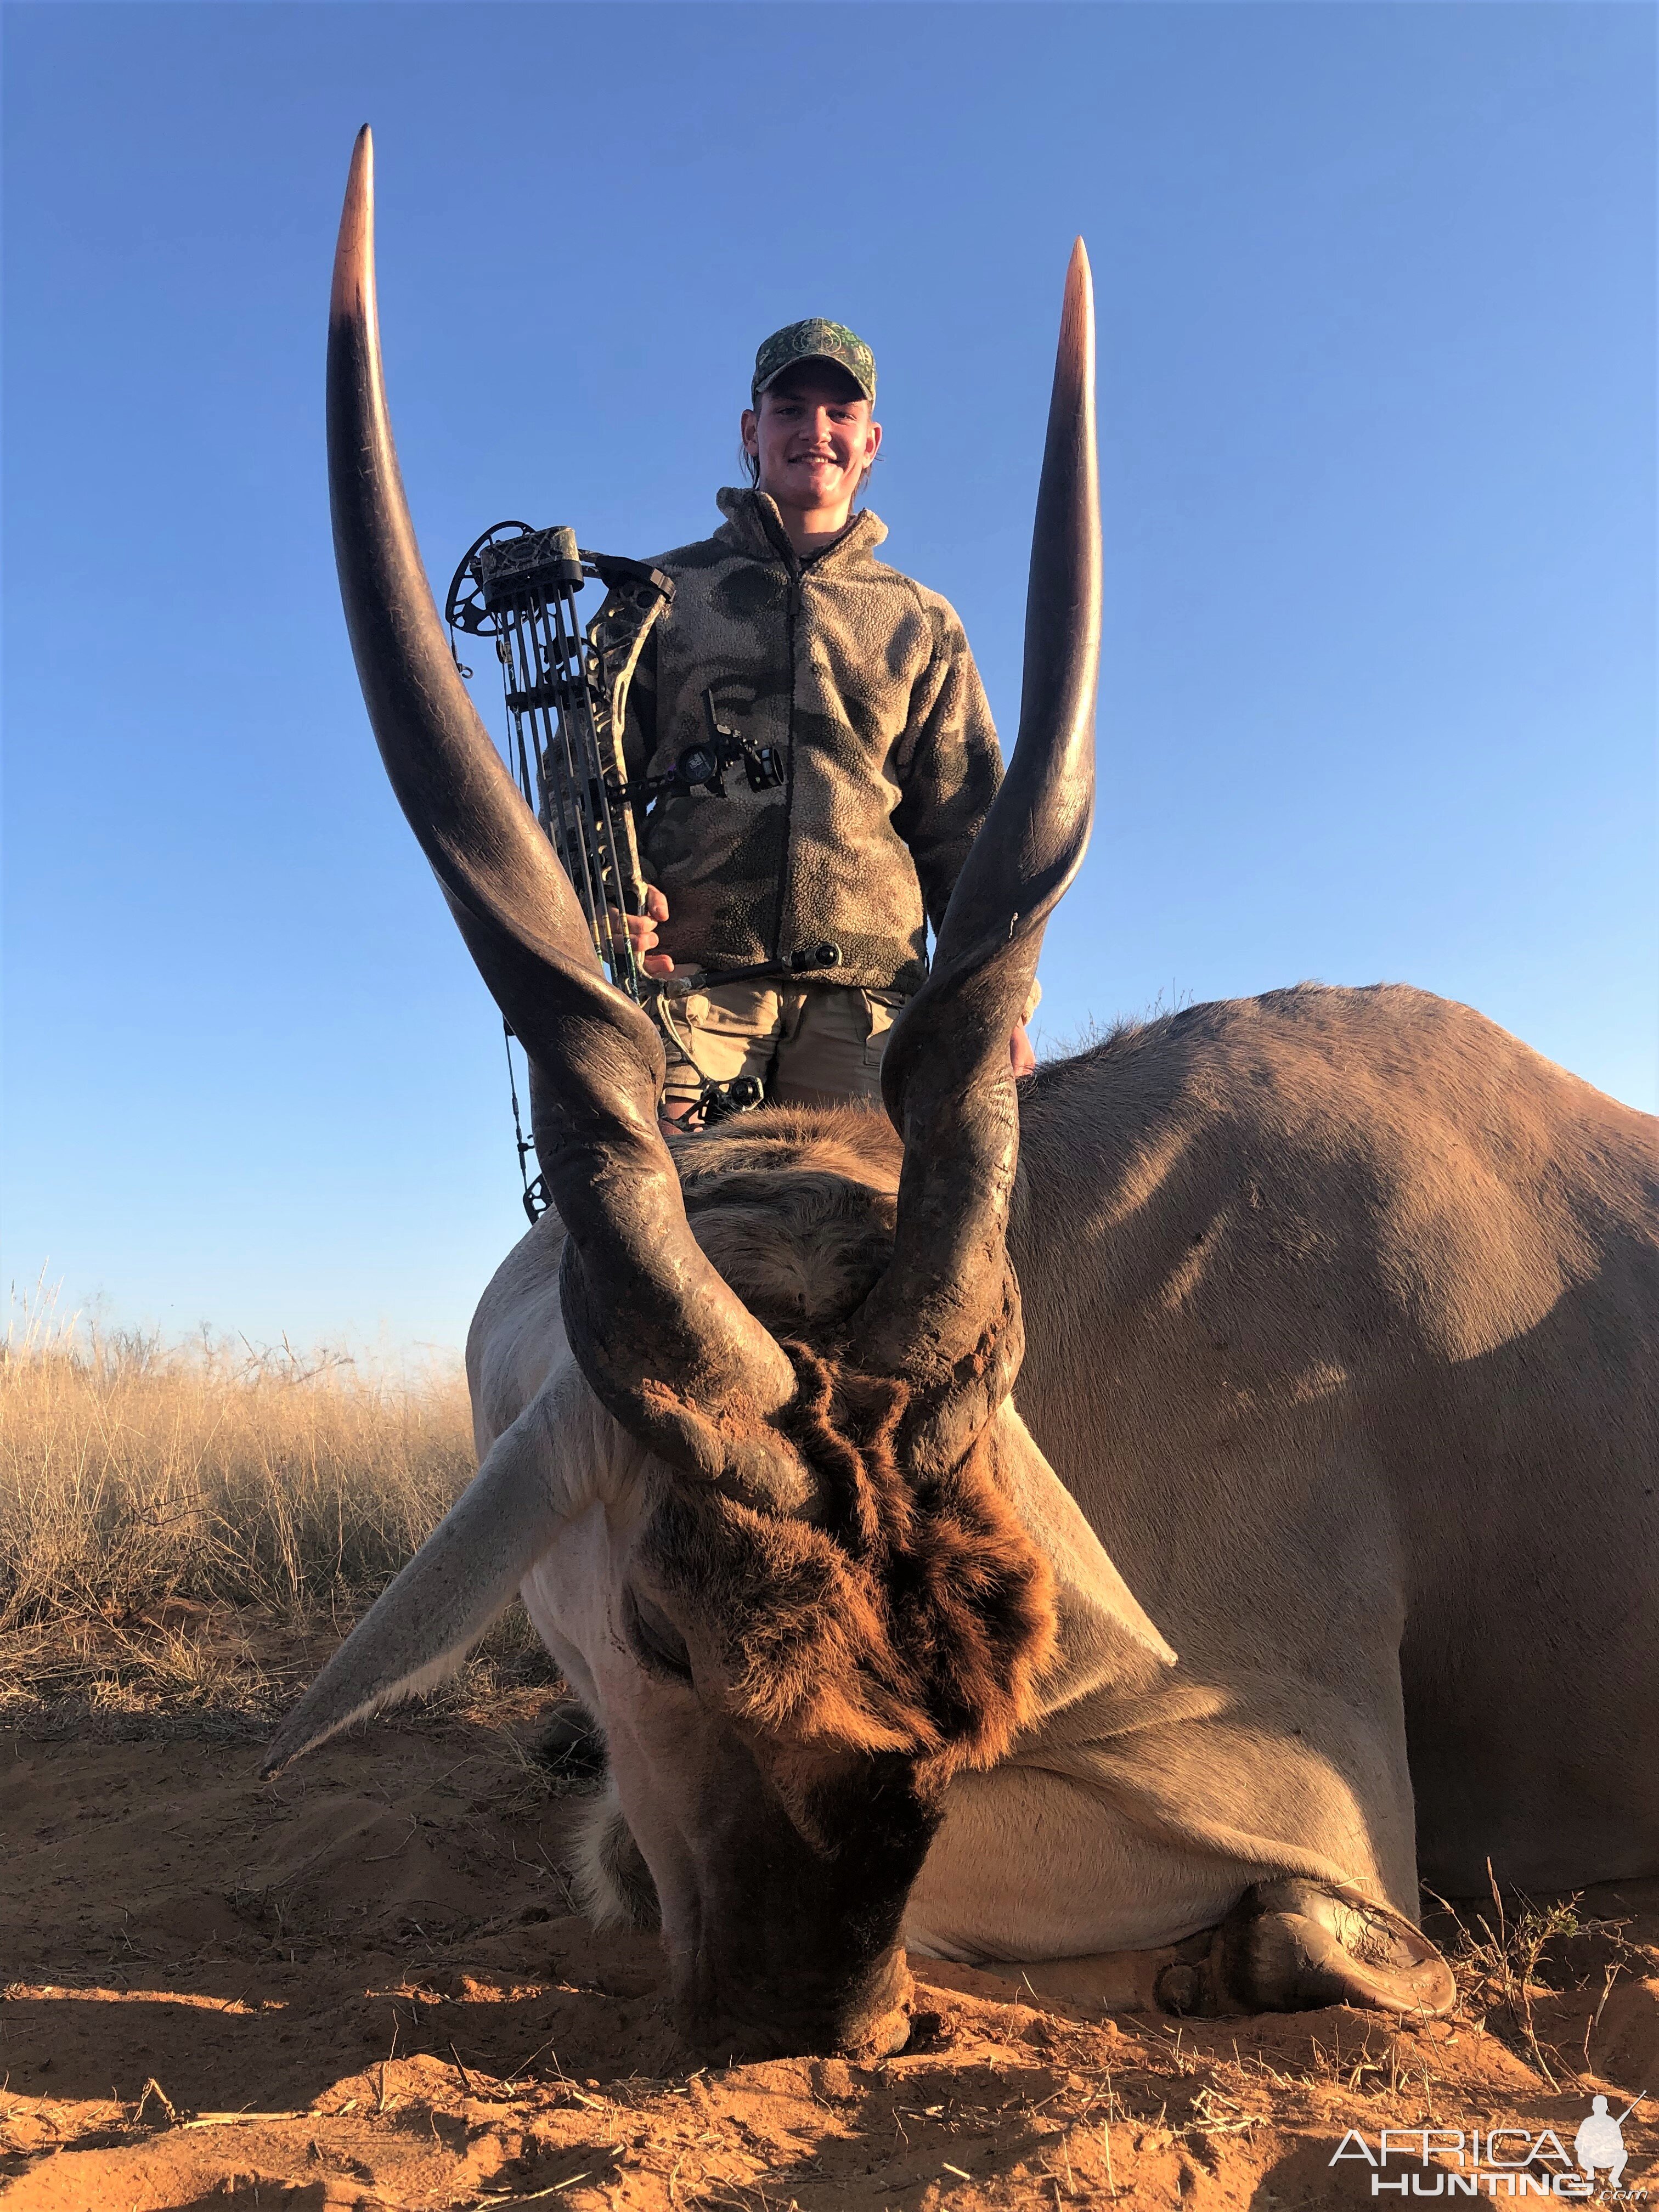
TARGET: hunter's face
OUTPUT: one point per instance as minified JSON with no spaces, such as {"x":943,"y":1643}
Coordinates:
{"x":814,"y":437}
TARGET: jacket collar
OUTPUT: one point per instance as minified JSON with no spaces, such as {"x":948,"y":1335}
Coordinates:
{"x":753,"y":526}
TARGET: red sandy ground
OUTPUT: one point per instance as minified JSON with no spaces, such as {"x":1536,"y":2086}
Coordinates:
{"x":362,"y":1986}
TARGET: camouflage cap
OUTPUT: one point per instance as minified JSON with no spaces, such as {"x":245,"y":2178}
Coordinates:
{"x":815,"y":340}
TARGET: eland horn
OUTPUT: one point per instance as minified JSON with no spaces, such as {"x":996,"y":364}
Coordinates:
{"x":665,"y":1342}
{"x":945,"y":1312}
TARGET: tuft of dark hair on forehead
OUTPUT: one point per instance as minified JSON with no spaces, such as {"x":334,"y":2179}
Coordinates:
{"x":911,"y":1614}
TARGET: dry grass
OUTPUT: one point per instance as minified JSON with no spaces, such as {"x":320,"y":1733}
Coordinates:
{"x":170,"y":1515}
{"x":132,"y":1472}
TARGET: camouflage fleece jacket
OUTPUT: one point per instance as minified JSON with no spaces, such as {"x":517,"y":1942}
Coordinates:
{"x":863,"y":683}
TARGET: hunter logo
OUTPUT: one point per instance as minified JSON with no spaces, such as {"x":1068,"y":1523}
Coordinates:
{"x":1601,"y":2140}
{"x":1498,"y":2161}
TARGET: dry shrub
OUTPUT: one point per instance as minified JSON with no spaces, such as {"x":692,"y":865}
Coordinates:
{"x":133,"y":1473}
{"x":1513,"y":1956}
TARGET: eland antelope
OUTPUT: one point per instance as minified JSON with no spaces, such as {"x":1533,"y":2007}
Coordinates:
{"x":1320,"y":1550}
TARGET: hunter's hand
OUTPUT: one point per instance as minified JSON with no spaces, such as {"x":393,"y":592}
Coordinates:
{"x":642,"y":934}
{"x":1020,"y":1053}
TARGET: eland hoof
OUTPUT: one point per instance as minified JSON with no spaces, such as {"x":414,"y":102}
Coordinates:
{"x":1294,"y":1946}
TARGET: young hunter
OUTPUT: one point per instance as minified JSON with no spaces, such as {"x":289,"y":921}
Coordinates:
{"x":862,"y":684}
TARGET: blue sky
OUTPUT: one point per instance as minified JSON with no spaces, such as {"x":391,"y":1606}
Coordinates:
{"x":1376,"y":299}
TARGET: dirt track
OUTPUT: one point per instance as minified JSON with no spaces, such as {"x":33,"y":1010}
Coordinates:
{"x":362,"y":1986}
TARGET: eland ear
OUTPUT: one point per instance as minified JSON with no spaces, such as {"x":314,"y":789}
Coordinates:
{"x":1106,"y":1641}
{"x":421,"y":1626}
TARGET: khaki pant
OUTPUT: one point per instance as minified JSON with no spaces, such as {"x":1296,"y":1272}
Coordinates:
{"x":807,"y":1042}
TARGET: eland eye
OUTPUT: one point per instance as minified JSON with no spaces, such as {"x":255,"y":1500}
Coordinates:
{"x":656,"y":1638}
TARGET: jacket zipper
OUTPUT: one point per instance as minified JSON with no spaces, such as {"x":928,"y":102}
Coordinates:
{"x":794,"y":604}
